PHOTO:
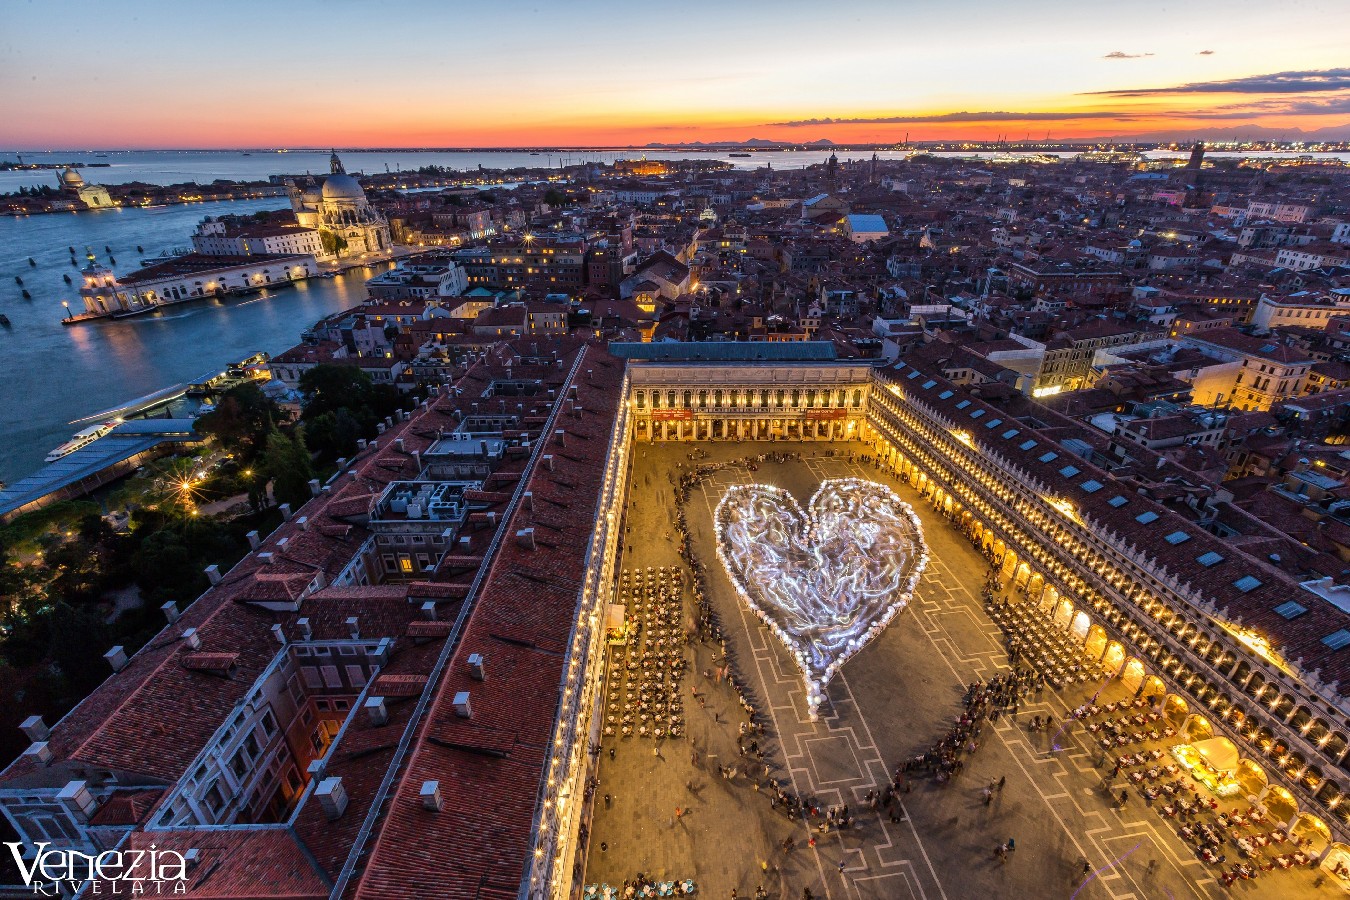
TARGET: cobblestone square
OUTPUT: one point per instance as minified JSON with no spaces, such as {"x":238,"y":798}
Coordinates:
{"x":665,"y":809}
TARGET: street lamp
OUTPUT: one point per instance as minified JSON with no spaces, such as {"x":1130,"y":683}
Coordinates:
{"x":66,"y":304}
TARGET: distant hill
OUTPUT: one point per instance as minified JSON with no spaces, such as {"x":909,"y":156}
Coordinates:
{"x":752,"y":142}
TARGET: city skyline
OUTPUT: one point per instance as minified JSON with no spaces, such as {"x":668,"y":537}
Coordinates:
{"x":313,"y":75}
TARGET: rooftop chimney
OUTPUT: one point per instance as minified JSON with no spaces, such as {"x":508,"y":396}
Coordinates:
{"x":39,"y":753}
{"x":429,"y":610}
{"x":314,"y":487}
{"x":383,"y":650}
{"x":332,"y":797}
{"x":529,"y":500}
{"x":279,"y":634}
{"x":285,"y":510}
{"x":525,"y":538}
{"x":461,"y":703}
{"x":34,"y":728}
{"x":376,"y":710}
{"x":398,"y":442}
{"x":431,"y":795}
{"x":213,"y":573}
{"x":306,"y":632}
{"x":561,"y":435}
{"x":254,"y":541}
{"x":117,"y":658}
{"x":354,"y":627}
{"x":75,"y":797}
{"x":477,"y":667}
{"x":170,"y":611}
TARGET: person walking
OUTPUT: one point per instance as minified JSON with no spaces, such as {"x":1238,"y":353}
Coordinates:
{"x":1002,"y":780}
{"x":841,"y":867}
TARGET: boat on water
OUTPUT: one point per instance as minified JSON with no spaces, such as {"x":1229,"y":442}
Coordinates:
{"x":745,"y":155}
{"x":82,"y":438}
{"x":4,"y":320}
{"x":129,"y":313}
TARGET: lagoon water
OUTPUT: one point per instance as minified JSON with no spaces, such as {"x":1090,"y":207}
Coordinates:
{"x":52,"y":375}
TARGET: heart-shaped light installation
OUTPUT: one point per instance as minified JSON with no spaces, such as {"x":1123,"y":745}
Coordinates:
{"x":826,"y":582}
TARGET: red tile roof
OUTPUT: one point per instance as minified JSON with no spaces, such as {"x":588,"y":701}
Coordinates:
{"x":490,"y":766}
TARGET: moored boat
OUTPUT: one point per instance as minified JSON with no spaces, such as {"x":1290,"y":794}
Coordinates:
{"x":82,"y":438}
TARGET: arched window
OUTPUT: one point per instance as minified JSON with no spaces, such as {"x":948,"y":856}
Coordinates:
{"x":688,"y":399}
{"x":641,"y":399}
{"x":857,"y":399}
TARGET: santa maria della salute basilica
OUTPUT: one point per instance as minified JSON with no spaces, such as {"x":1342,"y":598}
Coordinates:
{"x":336,"y":206}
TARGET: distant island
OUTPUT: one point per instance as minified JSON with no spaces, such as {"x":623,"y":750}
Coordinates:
{"x":8,"y":165}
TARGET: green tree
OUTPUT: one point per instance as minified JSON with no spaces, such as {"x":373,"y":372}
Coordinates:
{"x":554,"y":197}
{"x":333,"y":434}
{"x":286,"y":461}
{"x":163,"y":567}
{"x":332,"y":243}
{"x":242,"y":419}
{"x":329,"y":387}
{"x":79,"y":638}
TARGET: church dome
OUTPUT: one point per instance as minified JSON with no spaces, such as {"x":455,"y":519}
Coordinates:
{"x":342,"y":187}
{"x":71,"y":178}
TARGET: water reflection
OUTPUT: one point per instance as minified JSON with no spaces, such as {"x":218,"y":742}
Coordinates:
{"x":51,"y":375}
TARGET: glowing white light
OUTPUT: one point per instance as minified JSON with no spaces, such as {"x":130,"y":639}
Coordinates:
{"x":825,"y":583}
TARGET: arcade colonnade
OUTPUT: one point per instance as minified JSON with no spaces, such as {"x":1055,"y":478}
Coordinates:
{"x":749,"y":402}
{"x":1194,"y":707}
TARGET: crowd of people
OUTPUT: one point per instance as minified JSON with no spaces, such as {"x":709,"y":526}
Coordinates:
{"x":640,"y":887}
{"x":652,"y":664}
{"x":983,"y":700}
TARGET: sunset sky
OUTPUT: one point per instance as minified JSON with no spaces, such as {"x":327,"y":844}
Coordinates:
{"x":297,"y":73}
